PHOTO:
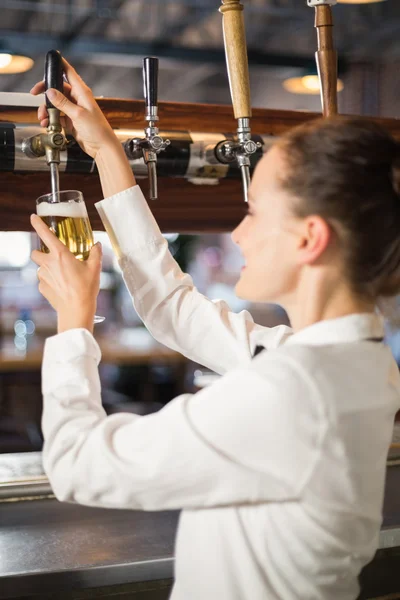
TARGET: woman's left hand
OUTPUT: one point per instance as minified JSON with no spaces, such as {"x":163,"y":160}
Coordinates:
{"x":71,"y":286}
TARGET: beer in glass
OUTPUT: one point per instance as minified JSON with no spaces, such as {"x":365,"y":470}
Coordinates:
{"x":66,"y":215}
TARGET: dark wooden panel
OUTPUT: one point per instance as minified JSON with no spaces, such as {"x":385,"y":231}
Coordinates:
{"x":195,"y":117}
{"x":147,"y":590}
{"x":177,"y":115}
{"x":182,"y":207}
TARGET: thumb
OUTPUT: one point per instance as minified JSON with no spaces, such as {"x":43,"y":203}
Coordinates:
{"x":95,"y":256}
{"x":62,"y":103}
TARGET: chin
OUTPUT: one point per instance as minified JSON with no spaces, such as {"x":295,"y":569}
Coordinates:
{"x":253,"y":293}
{"x":246,"y":292}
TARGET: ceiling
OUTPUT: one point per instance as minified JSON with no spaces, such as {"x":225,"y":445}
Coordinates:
{"x":106,"y":41}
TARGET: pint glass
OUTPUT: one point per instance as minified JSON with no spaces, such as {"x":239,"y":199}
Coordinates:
{"x":66,"y":215}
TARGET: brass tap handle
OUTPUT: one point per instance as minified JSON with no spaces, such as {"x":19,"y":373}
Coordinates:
{"x":55,"y":140}
{"x":326,"y":55}
{"x":236,"y":57}
{"x":51,"y":143}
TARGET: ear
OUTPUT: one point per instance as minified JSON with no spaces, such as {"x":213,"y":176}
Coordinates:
{"x":315,"y":239}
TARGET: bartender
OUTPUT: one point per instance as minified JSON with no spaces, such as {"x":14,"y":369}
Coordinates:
{"x":279,"y":466}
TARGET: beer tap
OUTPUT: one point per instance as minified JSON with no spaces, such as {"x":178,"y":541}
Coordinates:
{"x":326,"y":56}
{"x":152,"y":144}
{"x":53,"y":142}
{"x":229,"y":151}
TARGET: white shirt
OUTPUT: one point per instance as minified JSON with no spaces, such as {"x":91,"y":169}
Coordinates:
{"x":279,"y":466}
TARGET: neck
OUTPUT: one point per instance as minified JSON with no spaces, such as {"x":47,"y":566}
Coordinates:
{"x":323,"y":298}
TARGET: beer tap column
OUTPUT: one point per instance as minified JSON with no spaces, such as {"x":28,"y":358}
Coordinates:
{"x":152,"y":144}
{"x":51,"y":143}
{"x":238,"y":74}
{"x":326,"y":56}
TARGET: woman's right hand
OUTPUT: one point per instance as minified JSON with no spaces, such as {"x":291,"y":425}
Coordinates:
{"x":84,"y":119}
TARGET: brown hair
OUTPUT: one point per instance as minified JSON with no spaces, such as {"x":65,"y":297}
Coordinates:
{"x":347,"y":170}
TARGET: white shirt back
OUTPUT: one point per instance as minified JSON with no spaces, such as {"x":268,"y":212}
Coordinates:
{"x":278,"y":467}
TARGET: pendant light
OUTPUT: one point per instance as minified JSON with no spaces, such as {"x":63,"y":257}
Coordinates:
{"x":307,"y":84}
{"x":11,"y":63}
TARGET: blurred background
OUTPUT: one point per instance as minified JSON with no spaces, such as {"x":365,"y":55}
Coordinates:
{"x":106,"y":41}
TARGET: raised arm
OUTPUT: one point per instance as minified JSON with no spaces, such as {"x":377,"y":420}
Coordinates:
{"x":164,"y":297}
{"x":218,"y":447}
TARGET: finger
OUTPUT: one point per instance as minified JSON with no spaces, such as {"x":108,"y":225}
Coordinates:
{"x":42,"y":112}
{"x":62,"y":103}
{"x":43,"y":116}
{"x":45,"y":290}
{"x":63,"y":122}
{"x":46,"y":235}
{"x":38,"y":257}
{"x":95,"y":256}
{"x":40,"y":88}
{"x":74,"y":79}
{"x":67,"y":89}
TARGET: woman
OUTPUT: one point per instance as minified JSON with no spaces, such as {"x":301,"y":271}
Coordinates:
{"x":279,"y":467}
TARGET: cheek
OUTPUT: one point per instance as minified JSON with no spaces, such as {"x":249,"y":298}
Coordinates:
{"x":269,"y":273}
{"x":264,"y":244}
{"x":270,"y":259}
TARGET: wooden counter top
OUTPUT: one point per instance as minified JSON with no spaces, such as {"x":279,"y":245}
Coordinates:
{"x":128,"y":347}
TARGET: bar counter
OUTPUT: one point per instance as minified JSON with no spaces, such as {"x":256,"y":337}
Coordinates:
{"x":52,"y":550}
{"x":48,"y":549}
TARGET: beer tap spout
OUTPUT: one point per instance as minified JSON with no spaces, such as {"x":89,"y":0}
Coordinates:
{"x":54,"y":178}
{"x":152,"y":144}
{"x":238,"y":74}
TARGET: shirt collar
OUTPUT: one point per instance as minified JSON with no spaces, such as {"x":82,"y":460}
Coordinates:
{"x":351,"y":328}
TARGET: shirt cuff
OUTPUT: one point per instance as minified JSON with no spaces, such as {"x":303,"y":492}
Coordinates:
{"x":129,"y":221}
{"x":70,"y":345}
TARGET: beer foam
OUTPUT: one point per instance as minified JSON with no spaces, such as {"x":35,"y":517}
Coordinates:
{"x":75,"y":210}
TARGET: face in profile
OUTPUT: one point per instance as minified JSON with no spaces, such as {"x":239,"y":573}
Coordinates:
{"x":267,"y":236}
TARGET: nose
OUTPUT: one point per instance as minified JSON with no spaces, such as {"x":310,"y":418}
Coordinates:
{"x":236,"y":234}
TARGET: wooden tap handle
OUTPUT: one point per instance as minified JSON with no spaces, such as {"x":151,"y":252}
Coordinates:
{"x":236,"y":57}
{"x":53,"y":73}
{"x":326,"y":58}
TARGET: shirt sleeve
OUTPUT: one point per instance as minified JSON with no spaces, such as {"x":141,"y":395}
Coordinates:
{"x":171,"y":307}
{"x":240,"y":441}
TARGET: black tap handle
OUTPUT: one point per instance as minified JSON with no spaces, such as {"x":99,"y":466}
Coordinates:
{"x":150,"y":80}
{"x":53,"y":73}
